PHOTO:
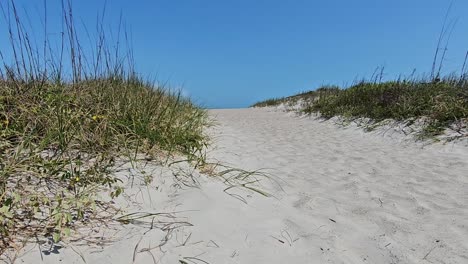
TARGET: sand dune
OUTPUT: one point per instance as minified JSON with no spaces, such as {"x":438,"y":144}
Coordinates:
{"x":337,"y":196}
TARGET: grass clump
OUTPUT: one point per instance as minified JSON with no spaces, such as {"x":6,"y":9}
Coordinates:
{"x":306,"y":96}
{"x":269,"y":102}
{"x":441,"y":102}
{"x":60,"y":134}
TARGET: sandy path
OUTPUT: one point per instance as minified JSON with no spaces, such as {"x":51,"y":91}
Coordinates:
{"x":346,"y":197}
{"x":349,"y":196}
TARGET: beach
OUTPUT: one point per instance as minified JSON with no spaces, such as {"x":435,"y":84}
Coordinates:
{"x":320,"y":193}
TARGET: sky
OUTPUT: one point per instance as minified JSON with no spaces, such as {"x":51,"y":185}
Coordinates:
{"x":228,"y":54}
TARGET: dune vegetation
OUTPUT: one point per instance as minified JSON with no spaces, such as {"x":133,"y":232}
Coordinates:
{"x":441,"y":101}
{"x":66,"y":114}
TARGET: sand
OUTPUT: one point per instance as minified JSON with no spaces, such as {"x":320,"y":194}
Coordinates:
{"x":337,"y":195}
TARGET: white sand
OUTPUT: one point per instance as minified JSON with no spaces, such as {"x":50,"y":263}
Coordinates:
{"x":346,"y":197}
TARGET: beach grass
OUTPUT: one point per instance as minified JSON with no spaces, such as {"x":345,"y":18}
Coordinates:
{"x":269,"y":102}
{"x":441,"y":102}
{"x":66,"y":115}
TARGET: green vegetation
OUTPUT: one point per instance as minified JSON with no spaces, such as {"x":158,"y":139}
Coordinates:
{"x":270,"y":102}
{"x":60,"y":134}
{"x":443,"y":102}
{"x":305,"y":96}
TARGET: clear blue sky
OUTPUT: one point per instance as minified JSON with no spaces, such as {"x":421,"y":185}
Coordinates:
{"x":233,"y":53}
